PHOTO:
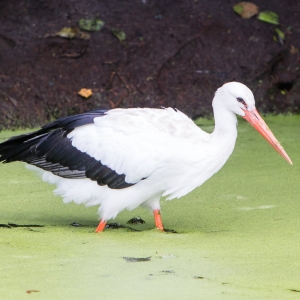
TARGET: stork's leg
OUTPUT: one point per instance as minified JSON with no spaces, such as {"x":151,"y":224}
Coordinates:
{"x":158,"y":221}
{"x":101,"y":226}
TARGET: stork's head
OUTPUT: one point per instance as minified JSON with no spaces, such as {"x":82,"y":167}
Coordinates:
{"x":237,"y":98}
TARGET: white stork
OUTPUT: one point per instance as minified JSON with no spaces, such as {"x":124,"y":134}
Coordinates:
{"x":125,"y":158}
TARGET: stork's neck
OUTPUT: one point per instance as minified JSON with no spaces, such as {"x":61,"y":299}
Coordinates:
{"x":223,"y":136}
{"x":225,"y":119}
{"x":225,"y":125}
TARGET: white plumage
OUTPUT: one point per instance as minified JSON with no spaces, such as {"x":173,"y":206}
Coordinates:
{"x":159,"y":152}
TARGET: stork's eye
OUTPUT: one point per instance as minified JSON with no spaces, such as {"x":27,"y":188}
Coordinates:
{"x":241,"y":100}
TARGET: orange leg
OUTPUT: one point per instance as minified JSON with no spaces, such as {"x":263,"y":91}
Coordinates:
{"x":101,"y":226}
{"x":158,"y":222}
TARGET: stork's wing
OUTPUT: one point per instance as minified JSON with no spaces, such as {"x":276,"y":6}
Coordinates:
{"x":50,"y":149}
{"x":138,"y":142}
{"x":117,"y":148}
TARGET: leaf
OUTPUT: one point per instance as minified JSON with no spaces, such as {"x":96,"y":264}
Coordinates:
{"x":280,"y":34}
{"x":136,"y":220}
{"x":91,"y":24}
{"x":31,"y":291}
{"x":238,"y":8}
{"x":118,"y":33}
{"x":69,"y":33}
{"x":85,"y":93}
{"x":268,"y":17}
{"x":246,"y":9}
{"x":293,"y":50}
{"x":136,"y":259}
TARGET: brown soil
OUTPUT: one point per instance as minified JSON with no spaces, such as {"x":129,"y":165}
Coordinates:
{"x":176,"y":53}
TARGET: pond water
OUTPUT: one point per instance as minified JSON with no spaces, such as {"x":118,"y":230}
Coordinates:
{"x":237,"y":236}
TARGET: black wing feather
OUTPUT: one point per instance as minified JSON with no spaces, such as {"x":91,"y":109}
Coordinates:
{"x":51,"y":150}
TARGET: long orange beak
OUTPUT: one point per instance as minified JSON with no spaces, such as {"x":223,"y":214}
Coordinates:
{"x":253,"y":117}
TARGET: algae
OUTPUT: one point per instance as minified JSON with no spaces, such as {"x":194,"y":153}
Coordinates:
{"x":238,"y":234}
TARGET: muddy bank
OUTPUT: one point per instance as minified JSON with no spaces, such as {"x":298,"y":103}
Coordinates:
{"x":176,"y":53}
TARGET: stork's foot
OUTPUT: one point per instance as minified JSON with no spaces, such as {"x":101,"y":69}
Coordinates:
{"x":101,"y":226}
{"x":158,"y":221}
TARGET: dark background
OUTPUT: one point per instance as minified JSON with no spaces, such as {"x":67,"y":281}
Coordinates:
{"x":176,"y":53}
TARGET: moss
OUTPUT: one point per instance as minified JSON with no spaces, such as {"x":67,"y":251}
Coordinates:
{"x":239,"y":233}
